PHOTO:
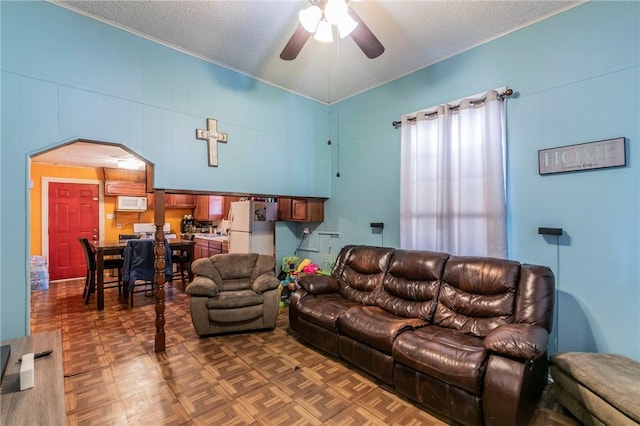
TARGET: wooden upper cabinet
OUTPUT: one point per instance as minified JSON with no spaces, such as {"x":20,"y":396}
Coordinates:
{"x":300,"y":209}
{"x":124,"y":182}
{"x":209,"y":207}
{"x":227,"y":205}
{"x":174,"y":201}
{"x":201,"y":211}
{"x":216,"y":203}
{"x":124,"y":188}
{"x":124,"y":175}
{"x":180,"y":201}
{"x":284,"y":209}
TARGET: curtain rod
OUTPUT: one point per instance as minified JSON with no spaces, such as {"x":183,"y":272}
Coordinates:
{"x":508,"y":92}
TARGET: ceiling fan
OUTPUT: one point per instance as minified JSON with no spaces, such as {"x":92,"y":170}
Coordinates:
{"x":319,"y":19}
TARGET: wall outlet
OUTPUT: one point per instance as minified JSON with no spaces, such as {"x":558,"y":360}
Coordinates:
{"x":119,"y":225}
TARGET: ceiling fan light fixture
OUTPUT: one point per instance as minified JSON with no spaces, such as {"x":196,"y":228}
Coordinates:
{"x":335,"y":11}
{"x":346,"y":26}
{"x":324,"y":33}
{"x":310,"y":17}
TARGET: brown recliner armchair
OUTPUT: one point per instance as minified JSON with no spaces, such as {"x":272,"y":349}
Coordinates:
{"x":233,"y":292}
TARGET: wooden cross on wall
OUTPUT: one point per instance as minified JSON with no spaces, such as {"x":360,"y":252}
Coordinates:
{"x":212,"y":136}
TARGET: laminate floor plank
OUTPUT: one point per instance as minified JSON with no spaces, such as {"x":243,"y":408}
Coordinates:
{"x":114,"y":377}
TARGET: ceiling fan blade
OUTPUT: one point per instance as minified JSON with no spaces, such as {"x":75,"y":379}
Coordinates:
{"x":365,"y":39}
{"x":295,"y":44}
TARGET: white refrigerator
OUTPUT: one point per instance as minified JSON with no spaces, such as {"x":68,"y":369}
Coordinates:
{"x":252,"y":227}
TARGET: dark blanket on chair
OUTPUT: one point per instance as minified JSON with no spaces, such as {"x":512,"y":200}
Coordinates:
{"x":139,"y":260}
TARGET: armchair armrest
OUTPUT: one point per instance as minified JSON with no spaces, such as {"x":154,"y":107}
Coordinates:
{"x":523,"y":341}
{"x":202,"y":286}
{"x":318,"y":284}
{"x":265,"y":282}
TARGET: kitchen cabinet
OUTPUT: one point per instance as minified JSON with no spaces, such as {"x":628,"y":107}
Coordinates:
{"x":179,"y":201}
{"x":124,"y":175}
{"x":300,"y":209}
{"x":174,"y":201}
{"x":227,"y":205}
{"x":213,"y":207}
{"x":115,"y":188}
{"x":207,"y":248}
{"x":124,"y":182}
{"x":208,"y":207}
{"x":200,"y":248}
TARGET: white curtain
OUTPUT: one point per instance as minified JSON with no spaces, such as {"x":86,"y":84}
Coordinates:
{"x":452,"y":183}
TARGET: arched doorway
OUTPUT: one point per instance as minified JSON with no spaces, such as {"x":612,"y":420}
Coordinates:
{"x":61,"y":164}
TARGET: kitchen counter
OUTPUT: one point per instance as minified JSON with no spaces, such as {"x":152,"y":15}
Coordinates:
{"x":209,"y":244}
{"x":212,"y":237}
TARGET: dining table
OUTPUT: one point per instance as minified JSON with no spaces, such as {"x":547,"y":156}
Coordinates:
{"x":116,"y":248}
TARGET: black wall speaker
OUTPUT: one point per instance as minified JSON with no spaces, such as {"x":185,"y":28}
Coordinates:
{"x":550,"y":231}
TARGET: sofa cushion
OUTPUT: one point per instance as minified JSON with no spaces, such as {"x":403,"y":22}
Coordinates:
{"x":477,"y":294}
{"x":374,"y":326}
{"x":201,"y":286}
{"x":235,"y":299}
{"x":318,"y":284}
{"x":452,"y":357}
{"x":522,"y":341}
{"x":235,"y":316}
{"x":410,"y":287}
{"x":235,"y":284}
{"x":323,"y":309}
{"x":535,"y":296}
{"x":235,"y":265}
{"x":607,"y":385}
{"x":361,"y":272}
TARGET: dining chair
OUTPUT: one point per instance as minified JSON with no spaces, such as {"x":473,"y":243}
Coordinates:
{"x":90,"y":279}
{"x":182,"y":260}
{"x":138,"y":269}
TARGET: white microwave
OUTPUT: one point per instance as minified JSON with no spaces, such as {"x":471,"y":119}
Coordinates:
{"x":131,"y":203}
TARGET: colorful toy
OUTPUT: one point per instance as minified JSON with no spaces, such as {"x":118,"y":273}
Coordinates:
{"x":289,"y":265}
{"x":287,"y":277}
{"x":302,"y":265}
{"x":311,"y":268}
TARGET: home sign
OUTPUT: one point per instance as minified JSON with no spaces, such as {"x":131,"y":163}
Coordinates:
{"x":586,"y":156}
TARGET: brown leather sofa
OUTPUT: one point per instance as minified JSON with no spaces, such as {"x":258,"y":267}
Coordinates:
{"x":464,"y":336}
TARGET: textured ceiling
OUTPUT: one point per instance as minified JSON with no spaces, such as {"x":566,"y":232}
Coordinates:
{"x":248,"y":36}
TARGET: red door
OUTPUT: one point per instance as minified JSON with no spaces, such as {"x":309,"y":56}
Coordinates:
{"x":73,"y":213}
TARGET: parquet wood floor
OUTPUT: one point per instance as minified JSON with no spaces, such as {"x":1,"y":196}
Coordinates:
{"x":114,"y":377}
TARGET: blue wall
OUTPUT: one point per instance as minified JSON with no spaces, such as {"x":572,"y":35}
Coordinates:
{"x":576,"y":77}
{"x":65,"y":76}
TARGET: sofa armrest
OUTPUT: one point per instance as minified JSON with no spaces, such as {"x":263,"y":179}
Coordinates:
{"x":202,"y":286}
{"x":523,"y":341}
{"x":265,"y":282}
{"x":318,"y":284}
